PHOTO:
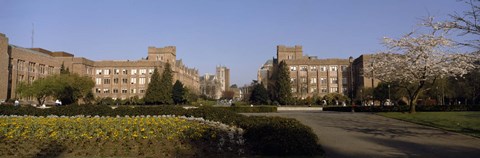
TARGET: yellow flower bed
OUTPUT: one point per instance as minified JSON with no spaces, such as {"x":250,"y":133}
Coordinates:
{"x":105,"y":128}
{"x":156,"y":136}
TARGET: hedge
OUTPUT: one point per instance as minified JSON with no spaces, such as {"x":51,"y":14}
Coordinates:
{"x":246,"y":109}
{"x":269,"y":136}
{"x":419,"y":108}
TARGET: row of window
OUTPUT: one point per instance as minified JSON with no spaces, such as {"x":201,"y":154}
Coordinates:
{"x":322,"y":90}
{"x":314,"y":68}
{"x":313,"y":80}
{"x":32,"y":67}
{"x":123,"y":71}
{"x":133,"y":80}
{"x":116,"y":91}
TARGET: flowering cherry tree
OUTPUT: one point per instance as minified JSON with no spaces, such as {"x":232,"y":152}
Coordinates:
{"x":416,"y":60}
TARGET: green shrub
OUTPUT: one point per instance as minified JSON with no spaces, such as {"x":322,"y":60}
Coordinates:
{"x":280,"y":136}
{"x":246,"y":109}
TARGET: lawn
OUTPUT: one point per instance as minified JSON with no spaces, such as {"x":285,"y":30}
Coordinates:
{"x":462,"y":122}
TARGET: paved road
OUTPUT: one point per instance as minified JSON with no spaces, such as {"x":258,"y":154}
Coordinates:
{"x":369,"y":135}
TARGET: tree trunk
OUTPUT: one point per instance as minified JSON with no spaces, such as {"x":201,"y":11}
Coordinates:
{"x":412,"y":108}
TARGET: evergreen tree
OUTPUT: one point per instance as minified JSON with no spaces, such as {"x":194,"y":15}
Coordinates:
{"x":282,"y":85}
{"x":259,"y":94}
{"x":178,"y":93}
{"x":63,"y":70}
{"x":152,"y":95}
{"x":166,"y":86}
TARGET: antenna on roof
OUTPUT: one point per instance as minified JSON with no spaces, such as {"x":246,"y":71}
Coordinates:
{"x":33,"y":31}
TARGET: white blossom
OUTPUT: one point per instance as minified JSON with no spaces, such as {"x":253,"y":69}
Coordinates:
{"x":418,"y":59}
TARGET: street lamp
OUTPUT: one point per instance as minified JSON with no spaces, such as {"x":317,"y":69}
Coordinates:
{"x":350,"y":60}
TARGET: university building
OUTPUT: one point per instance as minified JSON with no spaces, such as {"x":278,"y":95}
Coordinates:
{"x":115,"y":79}
{"x":212,"y":86}
{"x":312,"y":76}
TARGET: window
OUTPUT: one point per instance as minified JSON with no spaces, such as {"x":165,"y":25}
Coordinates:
{"x":106,"y":72}
{"x":305,"y":89}
{"x":98,"y":72}
{"x":124,"y":90}
{"x":20,"y":77}
{"x":106,"y":90}
{"x":124,"y":80}
{"x":98,"y":81}
{"x":134,"y":71}
{"x":50,"y":70}
{"x":106,"y":81}
{"x":133,"y":91}
{"x":334,"y":80}
{"x":116,"y":71}
{"x":21,"y":65}
{"x":313,"y":90}
{"x":313,"y":80}
{"x":293,"y":80}
{"x":124,"y":72}
{"x":42,"y":68}
{"x":290,"y":56}
{"x":293,"y":68}
{"x":133,"y":80}
{"x":115,"y":90}
{"x":344,"y":68}
{"x":333,"y":89}
{"x":143,"y":71}
{"x":142,"y":80}
{"x":344,"y":81}
{"x":142,"y":90}
{"x":303,"y":80}
{"x":313,"y":68}
{"x":115,"y":81}
{"x":98,"y":90}
{"x":323,"y":80}
{"x":324,"y":90}
{"x":31,"y":67}
{"x":150,"y":71}
{"x":323,"y":68}
{"x":333,"y":68}
{"x":303,"y":68}
{"x":294,"y":90}
{"x":344,"y":90}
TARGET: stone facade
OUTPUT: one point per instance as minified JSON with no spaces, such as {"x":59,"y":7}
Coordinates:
{"x":4,"y":66}
{"x":115,"y":79}
{"x":214,"y":85}
{"x":223,"y":76}
{"x":210,"y":86}
{"x":311,"y":76}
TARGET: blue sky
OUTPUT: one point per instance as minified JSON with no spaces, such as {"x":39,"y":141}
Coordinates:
{"x":241,"y":34}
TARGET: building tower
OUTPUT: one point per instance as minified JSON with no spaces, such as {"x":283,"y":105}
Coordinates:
{"x":223,"y":75}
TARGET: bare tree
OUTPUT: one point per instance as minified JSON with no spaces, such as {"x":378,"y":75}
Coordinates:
{"x":467,"y":23}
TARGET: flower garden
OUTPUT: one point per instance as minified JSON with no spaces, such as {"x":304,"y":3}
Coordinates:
{"x":99,"y":131}
{"x":150,"y":136}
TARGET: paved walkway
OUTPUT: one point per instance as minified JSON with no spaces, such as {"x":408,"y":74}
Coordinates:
{"x":369,"y":135}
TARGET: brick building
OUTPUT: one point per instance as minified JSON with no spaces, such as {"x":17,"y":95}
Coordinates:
{"x":115,"y":79}
{"x":311,"y":76}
